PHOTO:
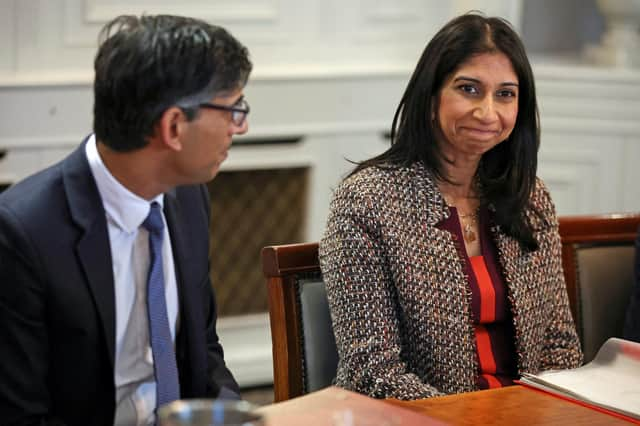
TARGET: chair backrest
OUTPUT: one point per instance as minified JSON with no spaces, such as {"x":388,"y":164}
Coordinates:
{"x":305,"y":358}
{"x":597,"y":258}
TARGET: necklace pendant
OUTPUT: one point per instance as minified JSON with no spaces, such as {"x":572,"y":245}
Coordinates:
{"x":468,"y":234}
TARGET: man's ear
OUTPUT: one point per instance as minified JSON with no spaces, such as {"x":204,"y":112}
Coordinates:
{"x":169,"y":128}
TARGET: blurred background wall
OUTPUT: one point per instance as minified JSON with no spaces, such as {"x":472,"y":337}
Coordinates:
{"x":328,"y":76}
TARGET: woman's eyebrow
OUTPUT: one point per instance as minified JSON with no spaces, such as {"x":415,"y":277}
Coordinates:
{"x":462,"y":77}
{"x":475,"y":80}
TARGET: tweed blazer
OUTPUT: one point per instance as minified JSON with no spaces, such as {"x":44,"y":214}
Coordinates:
{"x":401,"y":304}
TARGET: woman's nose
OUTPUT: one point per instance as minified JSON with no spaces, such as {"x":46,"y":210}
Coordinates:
{"x":485,"y":110}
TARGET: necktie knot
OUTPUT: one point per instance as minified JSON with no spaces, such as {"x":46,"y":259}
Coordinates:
{"x":153,"y":223}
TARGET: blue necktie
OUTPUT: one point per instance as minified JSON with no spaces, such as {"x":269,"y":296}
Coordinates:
{"x":164,"y":357}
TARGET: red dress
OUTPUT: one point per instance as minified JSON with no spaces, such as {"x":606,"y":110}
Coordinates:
{"x":491,"y":312}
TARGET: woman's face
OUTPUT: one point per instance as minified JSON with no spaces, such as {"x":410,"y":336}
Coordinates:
{"x":477,"y":106}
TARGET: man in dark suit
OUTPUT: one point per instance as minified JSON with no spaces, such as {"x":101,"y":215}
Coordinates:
{"x":106,"y":308}
{"x":632,"y":325}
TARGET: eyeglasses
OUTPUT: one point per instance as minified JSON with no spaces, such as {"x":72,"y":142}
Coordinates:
{"x":238,"y":110}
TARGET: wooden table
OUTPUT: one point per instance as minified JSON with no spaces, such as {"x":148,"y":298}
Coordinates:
{"x":333,"y":406}
{"x":515,"y":405}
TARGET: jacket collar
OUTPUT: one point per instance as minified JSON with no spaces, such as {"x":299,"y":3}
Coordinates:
{"x":428,"y":193}
{"x":92,"y":249}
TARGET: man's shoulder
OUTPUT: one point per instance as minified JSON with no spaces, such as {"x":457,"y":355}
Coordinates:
{"x":42,"y":191}
{"x":36,"y":191}
{"x":34,"y":209}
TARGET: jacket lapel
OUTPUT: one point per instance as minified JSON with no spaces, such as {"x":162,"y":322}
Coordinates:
{"x":93,"y":249}
{"x":515,"y":264}
{"x":431,"y":202}
{"x":178,"y":245}
{"x":179,"y":248}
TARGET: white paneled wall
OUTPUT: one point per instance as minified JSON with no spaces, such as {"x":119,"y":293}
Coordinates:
{"x":330,"y":71}
{"x":590,"y":132}
{"x":54,"y":40}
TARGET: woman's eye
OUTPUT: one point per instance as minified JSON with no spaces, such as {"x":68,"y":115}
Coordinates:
{"x":468,"y":88}
{"x":507,"y":94}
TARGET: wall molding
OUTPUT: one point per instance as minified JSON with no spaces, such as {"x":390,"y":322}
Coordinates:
{"x":257,"y":11}
{"x":246,"y":341}
{"x":570,"y":126}
{"x":85,"y":18}
{"x":8,"y":36}
{"x":552,"y":81}
{"x":608,"y":128}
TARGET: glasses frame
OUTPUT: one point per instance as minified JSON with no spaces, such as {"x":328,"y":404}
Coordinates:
{"x":239,"y":110}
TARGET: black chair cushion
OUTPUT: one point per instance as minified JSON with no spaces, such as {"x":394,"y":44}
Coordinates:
{"x":605,"y":282}
{"x":320,"y":353}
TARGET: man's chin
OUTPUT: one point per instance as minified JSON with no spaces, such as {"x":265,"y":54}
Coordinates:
{"x":213,"y":172}
{"x":204,"y":176}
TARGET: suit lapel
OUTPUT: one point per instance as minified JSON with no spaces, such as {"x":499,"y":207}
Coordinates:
{"x":178,"y":246}
{"x":93,"y":249}
{"x":187,"y":238}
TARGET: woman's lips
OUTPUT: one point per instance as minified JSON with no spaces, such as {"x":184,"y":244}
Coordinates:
{"x":479,"y":133}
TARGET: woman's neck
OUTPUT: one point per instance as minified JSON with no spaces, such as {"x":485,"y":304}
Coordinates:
{"x":460,"y":192}
{"x":460,"y":183}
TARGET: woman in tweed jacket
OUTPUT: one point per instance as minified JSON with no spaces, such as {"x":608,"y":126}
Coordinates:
{"x":408,"y":298}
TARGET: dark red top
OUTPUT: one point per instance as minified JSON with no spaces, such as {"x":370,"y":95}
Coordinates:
{"x":491,"y":313}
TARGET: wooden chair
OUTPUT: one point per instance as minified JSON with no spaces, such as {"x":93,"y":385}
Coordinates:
{"x":597,"y":258}
{"x":304,"y":350}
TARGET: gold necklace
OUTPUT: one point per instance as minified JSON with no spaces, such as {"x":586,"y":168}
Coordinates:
{"x":467,"y":220}
{"x":467,"y":226}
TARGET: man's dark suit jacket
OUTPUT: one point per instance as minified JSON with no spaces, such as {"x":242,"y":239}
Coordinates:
{"x":57,"y":299}
{"x":632,"y":325}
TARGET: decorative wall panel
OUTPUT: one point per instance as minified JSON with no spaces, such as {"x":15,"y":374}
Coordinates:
{"x":7,"y":36}
{"x":511,"y":9}
{"x":60,"y":36}
{"x":98,"y":11}
{"x":629,"y":187}
{"x":249,"y":210}
{"x":84,"y":18}
{"x":581,"y":172}
{"x":403,"y":20}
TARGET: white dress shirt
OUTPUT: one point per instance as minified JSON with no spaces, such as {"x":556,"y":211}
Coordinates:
{"x":129,"y":242}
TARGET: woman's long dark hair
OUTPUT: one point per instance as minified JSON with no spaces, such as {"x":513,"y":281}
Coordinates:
{"x":507,"y":173}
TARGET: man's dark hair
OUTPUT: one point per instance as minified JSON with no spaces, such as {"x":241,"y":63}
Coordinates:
{"x":147,"y":64}
{"x":507,"y":173}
